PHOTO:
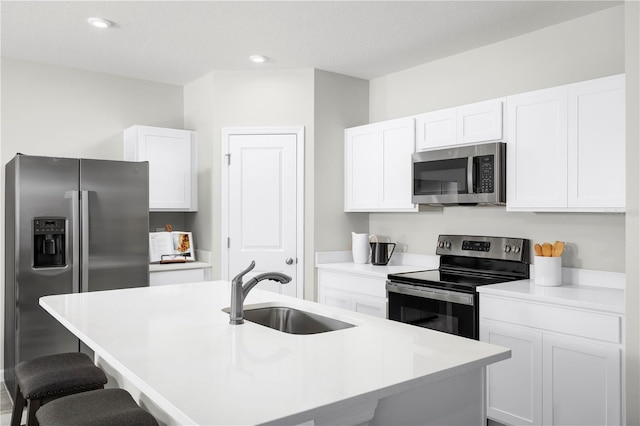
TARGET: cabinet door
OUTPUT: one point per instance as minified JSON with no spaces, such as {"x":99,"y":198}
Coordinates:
{"x":398,"y":144}
{"x":596,"y":147}
{"x":335,"y":298}
{"x":362,"y":162}
{"x":537,"y":150}
{"x":581,"y":384}
{"x":375,"y":306}
{"x":479,"y":122}
{"x":171,"y":154}
{"x":436,"y":129}
{"x":514,"y":386}
{"x":378,"y":166}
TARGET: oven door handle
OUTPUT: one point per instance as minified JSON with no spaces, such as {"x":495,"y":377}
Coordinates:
{"x":431,"y":293}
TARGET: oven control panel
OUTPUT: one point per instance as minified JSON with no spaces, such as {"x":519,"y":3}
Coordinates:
{"x":516,"y":249}
{"x":476,"y":245}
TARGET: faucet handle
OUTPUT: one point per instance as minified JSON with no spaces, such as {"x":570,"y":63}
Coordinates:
{"x":238,"y":278}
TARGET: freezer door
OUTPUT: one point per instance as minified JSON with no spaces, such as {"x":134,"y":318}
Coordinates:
{"x":115,"y":224}
{"x":40,"y":187}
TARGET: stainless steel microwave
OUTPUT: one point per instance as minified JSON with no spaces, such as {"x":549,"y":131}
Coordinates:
{"x":462,"y":175}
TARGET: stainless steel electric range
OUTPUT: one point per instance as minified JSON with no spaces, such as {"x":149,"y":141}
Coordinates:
{"x":446,"y":299}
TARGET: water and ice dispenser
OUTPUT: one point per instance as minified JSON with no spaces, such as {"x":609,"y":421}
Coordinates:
{"x":49,"y":242}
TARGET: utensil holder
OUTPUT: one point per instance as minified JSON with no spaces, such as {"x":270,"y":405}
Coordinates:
{"x":548,"y":271}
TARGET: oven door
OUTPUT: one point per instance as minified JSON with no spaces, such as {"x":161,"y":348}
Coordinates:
{"x":438,"y":309}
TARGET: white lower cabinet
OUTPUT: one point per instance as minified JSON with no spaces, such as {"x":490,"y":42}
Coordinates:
{"x":357,"y":293}
{"x":552,"y":377}
{"x":581,"y":382}
{"x":177,"y":276}
{"x":515,"y":385}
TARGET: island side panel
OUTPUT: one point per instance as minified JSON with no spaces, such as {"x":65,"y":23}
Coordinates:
{"x":117,"y":380}
{"x":454,"y":401}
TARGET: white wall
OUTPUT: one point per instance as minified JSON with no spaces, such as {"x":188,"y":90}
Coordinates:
{"x":56,"y":111}
{"x":588,"y":47}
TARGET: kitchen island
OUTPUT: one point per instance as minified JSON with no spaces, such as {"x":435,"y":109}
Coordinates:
{"x":173,"y":348}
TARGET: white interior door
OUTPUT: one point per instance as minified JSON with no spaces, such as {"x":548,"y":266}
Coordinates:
{"x":263,"y":208}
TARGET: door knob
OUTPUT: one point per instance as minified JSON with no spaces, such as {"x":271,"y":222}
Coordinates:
{"x":289,"y":261}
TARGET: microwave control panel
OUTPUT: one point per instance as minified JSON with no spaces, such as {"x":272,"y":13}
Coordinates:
{"x":485,"y":172}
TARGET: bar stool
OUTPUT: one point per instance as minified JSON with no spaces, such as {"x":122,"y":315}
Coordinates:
{"x":102,"y":407}
{"x":46,"y":378}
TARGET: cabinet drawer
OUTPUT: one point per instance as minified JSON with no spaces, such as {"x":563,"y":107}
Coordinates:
{"x":581,"y":323}
{"x":176,"y":277}
{"x":353,"y":283}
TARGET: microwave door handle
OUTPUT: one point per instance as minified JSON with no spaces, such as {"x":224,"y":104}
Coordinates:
{"x":470,"y":175}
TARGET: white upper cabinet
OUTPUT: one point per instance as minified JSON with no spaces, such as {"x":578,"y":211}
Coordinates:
{"x":478,"y":122}
{"x":362,"y":167}
{"x":378,"y":166}
{"x":596,"y":145}
{"x":436,"y":129}
{"x":566,"y":148}
{"x":537,"y":149}
{"x":171,"y":154}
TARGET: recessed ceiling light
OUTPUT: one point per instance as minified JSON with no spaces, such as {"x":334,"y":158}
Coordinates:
{"x":100,"y":22}
{"x":258,"y":59}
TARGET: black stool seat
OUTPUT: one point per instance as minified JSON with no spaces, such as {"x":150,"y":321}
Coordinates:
{"x":102,"y":407}
{"x":43,"y":379}
{"x":57,"y":374}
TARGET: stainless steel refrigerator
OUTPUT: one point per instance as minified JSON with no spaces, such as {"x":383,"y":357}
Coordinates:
{"x":71,"y":225}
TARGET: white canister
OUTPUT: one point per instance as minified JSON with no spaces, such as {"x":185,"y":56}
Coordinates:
{"x":360,"y":247}
{"x":548,"y":271}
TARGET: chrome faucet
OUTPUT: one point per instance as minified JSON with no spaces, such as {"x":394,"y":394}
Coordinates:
{"x":239,"y":291}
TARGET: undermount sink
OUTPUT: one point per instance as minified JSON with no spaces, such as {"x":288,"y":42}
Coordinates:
{"x":293,"y":321}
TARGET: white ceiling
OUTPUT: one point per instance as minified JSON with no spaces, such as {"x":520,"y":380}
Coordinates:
{"x":177,"y":42}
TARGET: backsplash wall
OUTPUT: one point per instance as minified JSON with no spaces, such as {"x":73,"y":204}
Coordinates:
{"x":577,"y":50}
{"x":594,"y":240}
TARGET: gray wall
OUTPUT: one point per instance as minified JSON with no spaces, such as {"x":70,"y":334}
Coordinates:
{"x":585,"y":48}
{"x":339,"y":102}
{"x":632,"y":295}
{"x":244,"y":99}
{"x":65,"y":112}
{"x":324,"y":103}
{"x":56,"y":111}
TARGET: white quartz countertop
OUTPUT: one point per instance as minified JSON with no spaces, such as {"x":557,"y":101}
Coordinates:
{"x":380,"y":271}
{"x":177,"y":346}
{"x":162,"y":267}
{"x":578,"y":296}
{"x":400,"y":262}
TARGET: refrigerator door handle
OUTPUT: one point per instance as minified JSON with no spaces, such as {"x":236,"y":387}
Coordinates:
{"x":84,"y":199}
{"x":75,"y":243}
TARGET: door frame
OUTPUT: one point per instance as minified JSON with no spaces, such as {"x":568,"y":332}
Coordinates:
{"x":227,"y":132}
